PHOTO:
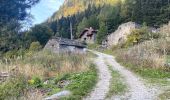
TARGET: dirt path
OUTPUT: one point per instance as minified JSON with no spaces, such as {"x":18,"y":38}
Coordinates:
{"x":137,"y":89}
{"x":102,"y":87}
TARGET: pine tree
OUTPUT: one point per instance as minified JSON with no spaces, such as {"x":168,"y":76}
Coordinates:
{"x":101,"y":35}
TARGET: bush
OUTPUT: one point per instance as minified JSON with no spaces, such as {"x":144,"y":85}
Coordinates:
{"x":140,"y":35}
{"x":35,"y":82}
{"x":35,"y":46}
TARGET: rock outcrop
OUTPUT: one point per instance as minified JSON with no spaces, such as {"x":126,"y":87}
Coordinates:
{"x":121,"y":33}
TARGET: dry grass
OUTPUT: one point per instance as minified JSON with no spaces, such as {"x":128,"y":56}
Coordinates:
{"x":46,"y":64}
{"x":43,"y":65}
{"x":165,"y":33}
{"x":147,"y":54}
{"x":32,"y":95}
{"x":165,"y":30}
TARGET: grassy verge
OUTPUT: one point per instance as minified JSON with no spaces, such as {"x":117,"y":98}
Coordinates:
{"x":151,"y":75}
{"x":82,"y":83}
{"x":43,"y":74}
{"x":117,"y":87}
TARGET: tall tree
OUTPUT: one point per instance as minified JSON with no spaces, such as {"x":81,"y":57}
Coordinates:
{"x":40,"y":33}
{"x":101,"y":35}
{"x":12,"y":13}
{"x":83,"y":24}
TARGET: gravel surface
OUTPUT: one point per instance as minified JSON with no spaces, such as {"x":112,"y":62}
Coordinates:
{"x":102,"y":87}
{"x":137,"y":89}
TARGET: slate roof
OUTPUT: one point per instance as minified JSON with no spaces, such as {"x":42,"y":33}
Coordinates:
{"x":69,"y":42}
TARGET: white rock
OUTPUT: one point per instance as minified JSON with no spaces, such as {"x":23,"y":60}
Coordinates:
{"x":168,"y":64}
{"x":59,"y":95}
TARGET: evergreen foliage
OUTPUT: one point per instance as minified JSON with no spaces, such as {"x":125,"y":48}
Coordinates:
{"x":12,"y":14}
{"x":102,"y":33}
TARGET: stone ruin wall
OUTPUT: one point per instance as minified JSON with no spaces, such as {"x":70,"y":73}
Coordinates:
{"x":52,"y":45}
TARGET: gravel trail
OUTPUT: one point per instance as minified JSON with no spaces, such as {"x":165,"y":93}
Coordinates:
{"x":137,"y":89}
{"x":102,"y":87}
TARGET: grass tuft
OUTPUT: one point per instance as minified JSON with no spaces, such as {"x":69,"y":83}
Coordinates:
{"x":117,"y":87}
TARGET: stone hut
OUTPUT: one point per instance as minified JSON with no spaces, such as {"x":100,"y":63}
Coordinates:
{"x":62,"y":45}
{"x":88,"y":35}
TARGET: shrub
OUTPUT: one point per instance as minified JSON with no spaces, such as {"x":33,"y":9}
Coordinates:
{"x":35,"y":46}
{"x":36,"y":82}
{"x":140,"y":35}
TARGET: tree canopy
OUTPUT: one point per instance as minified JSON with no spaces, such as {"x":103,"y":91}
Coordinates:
{"x":12,"y":13}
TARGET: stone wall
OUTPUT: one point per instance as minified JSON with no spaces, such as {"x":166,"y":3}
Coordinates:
{"x":121,"y":33}
{"x":71,"y":49}
{"x":52,"y":45}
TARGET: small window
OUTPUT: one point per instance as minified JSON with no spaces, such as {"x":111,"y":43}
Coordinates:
{"x":52,"y":45}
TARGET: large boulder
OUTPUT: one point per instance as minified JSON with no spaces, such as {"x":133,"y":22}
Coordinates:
{"x":121,"y":33}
